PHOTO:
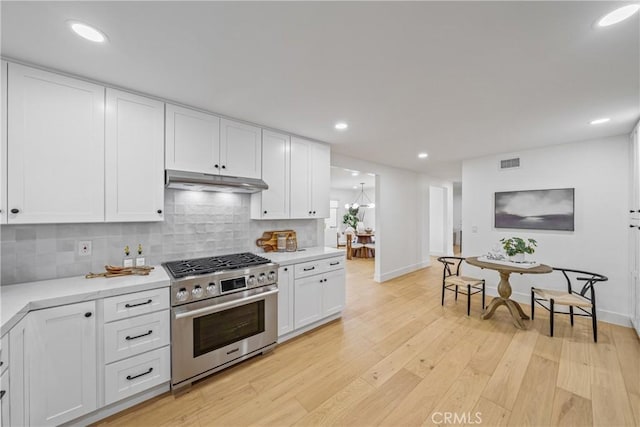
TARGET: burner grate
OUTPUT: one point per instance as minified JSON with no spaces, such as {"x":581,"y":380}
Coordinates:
{"x":198,"y":266}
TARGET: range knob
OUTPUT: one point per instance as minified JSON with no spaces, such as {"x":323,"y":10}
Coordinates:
{"x":251,"y":281}
{"x":211,"y":289}
{"x":197,"y":292}
{"x":182,"y":294}
{"x":262,"y":278}
{"x":271,"y":276}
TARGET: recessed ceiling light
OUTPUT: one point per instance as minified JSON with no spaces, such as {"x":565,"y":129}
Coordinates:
{"x":423,"y":155}
{"x":87,"y":32}
{"x":618,"y":15}
{"x":600,"y":121}
{"x":341,"y":126}
{"x":355,"y":173}
{"x":355,"y":186}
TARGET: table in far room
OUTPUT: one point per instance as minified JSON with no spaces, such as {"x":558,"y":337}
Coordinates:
{"x":504,"y":288}
{"x":365,"y":238}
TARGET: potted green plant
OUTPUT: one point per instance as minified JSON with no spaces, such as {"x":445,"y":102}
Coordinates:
{"x":351,"y":218}
{"x":516,"y":247}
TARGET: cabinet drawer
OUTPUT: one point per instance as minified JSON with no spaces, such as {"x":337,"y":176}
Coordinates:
{"x":331,"y":264}
{"x":4,"y":353}
{"x":308,"y":269}
{"x":123,"y":306}
{"x":136,"y":374}
{"x":128,"y":337}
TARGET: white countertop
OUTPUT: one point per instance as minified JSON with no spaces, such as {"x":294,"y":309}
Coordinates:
{"x":304,"y":255}
{"x":17,"y":300}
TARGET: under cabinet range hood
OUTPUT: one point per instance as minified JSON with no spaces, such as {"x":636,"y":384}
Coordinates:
{"x":194,"y":181}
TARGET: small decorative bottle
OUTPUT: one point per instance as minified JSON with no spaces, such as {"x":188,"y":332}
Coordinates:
{"x":127,"y":261}
{"x":139,"y":258}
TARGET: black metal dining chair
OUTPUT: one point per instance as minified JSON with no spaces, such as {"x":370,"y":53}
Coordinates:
{"x":584,"y":300}
{"x":453,"y":281}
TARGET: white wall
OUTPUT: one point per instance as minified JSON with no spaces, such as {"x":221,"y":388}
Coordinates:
{"x":457,"y":206}
{"x":437,"y":212}
{"x":599,"y":172}
{"x":402,"y":217}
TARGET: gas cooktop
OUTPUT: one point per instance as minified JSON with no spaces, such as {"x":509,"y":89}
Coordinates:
{"x":208,"y":265}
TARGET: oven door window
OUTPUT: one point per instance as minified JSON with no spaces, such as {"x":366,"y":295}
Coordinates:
{"x":217,"y":330}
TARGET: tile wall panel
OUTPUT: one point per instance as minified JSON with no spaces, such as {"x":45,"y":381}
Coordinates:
{"x":196,"y":224}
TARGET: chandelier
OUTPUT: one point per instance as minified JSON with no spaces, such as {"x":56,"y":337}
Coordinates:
{"x":362,"y":201}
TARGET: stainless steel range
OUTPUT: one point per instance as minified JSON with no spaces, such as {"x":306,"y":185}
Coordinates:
{"x":224,"y":310}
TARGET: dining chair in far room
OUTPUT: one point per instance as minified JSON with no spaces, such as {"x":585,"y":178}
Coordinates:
{"x":583,"y":300}
{"x":352,"y":244}
{"x":452,"y":281}
{"x":341,"y":240}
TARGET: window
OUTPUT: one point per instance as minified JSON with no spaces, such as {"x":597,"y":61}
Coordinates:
{"x":332,"y":221}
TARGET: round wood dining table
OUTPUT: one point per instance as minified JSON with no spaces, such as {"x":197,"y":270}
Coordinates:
{"x":504,"y":288}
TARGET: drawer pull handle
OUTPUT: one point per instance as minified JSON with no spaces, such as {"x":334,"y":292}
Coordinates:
{"x":334,"y":263}
{"x":309,"y":269}
{"x":137,"y":305}
{"x":2,"y":393}
{"x":128,"y":338}
{"x":129,"y":377}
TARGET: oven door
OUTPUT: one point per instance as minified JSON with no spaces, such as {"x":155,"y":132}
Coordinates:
{"x":214,"y":332}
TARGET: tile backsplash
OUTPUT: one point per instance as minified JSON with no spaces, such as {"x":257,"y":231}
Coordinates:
{"x":196,"y":224}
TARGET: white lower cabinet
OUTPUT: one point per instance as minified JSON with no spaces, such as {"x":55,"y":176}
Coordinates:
{"x":62,"y":363}
{"x":285,"y":300}
{"x":136,"y":343}
{"x":319,"y":290}
{"x":135,"y":374}
{"x":5,"y":417}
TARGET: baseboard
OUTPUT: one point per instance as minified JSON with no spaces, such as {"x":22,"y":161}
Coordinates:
{"x":116,"y":407}
{"x":603,"y":315}
{"x":309,"y":327}
{"x":401,"y":271}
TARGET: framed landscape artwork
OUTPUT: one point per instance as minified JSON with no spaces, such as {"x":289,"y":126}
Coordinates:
{"x":535,"y":209}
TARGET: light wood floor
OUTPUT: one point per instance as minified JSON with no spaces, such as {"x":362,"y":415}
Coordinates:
{"x":398,"y":358}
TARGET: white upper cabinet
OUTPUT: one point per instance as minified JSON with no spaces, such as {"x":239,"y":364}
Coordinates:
{"x":240,"y":149}
{"x":310,"y":179}
{"x":3,"y":144}
{"x":192,"y":140}
{"x":56,"y":142}
{"x":134,"y":175}
{"x":274,"y":202}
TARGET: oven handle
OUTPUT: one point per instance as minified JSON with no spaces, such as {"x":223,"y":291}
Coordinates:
{"x":225,"y":305}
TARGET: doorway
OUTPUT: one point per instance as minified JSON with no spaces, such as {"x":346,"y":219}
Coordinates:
{"x":437,"y":220}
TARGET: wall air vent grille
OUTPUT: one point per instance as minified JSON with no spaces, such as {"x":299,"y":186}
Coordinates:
{"x":510,"y":163}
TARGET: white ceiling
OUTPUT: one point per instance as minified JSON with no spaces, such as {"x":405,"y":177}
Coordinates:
{"x":455,"y":79}
{"x":347,"y":179}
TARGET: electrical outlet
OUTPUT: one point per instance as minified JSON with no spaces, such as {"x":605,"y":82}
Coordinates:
{"x":84,"y":248}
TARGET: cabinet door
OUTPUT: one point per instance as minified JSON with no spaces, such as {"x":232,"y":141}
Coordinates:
{"x":5,"y":418}
{"x":333,"y":292}
{"x":320,"y":179}
{"x":285,"y":300}
{"x":300,"y":178}
{"x":18,"y":370}
{"x":308,"y":300}
{"x":3,"y":143}
{"x":134,"y":158}
{"x":192,"y":141}
{"x":274,"y":202}
{"x":240,"y":149}
{"x":62,"y":363}
{"x":56,"y":141}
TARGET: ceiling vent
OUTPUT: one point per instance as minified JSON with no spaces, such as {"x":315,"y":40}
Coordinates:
{"x":510,"y":163}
